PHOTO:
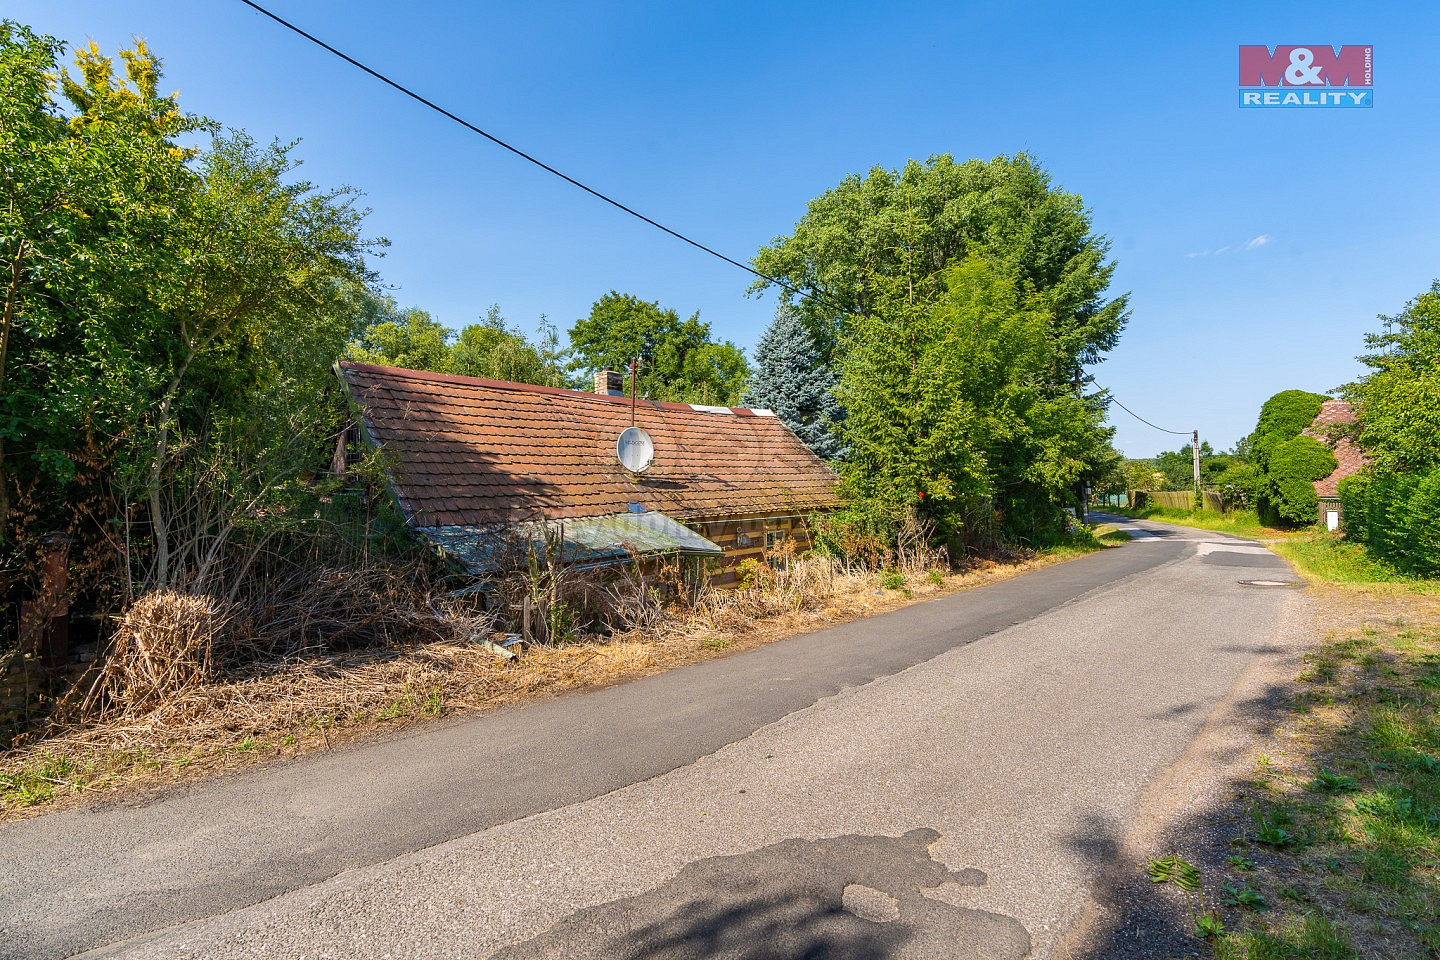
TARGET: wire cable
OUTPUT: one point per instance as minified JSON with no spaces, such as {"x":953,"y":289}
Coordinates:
{"x":813,"y":295}
{"x":1178,"y":433}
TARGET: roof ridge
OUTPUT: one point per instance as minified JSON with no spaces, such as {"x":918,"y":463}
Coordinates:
{"x":455,"y":378}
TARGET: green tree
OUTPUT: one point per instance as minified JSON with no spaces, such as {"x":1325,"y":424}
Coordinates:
{"x":792,"y":378}
{"x":1178,"y":466}
{"x":262,"y":255}
{"x":90,"y":193}
{"x":680,"y":361}
{"x":1142,"y":475}
{"x":1283,"y":490}
{"x":1282,"y":417}
{"x":1288,"y":491}
{"x":947,"y":407}
{"x":1239,"y":483}
{"x":1393,"y":506}
{"x":491,"y":349}
{"x":402,"y":337}
{"x":171,"y":312}
{"x":1399,"y":400}
{"x":916,"y":222}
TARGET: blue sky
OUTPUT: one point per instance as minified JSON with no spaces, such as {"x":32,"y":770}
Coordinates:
{"x":1257,"y":245}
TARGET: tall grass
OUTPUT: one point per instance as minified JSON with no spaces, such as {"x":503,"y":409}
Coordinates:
{"x":1330,"y":558}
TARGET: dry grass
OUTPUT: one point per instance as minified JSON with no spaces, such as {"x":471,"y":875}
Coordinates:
{"x":210,"y":722}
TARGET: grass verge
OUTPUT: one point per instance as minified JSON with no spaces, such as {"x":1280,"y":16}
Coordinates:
{"x":1342,"y":853}
{"x":319,"y":704}
{"x":1328,"y":558}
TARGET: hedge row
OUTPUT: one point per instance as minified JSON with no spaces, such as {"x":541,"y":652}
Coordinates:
{"x":1396,"y":516}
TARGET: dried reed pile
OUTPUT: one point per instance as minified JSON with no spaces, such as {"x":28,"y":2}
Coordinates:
{"x":171,"y":651}
{"x":163,"y":647}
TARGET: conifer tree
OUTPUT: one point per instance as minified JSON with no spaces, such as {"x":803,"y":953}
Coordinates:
{"x":792,"y":379}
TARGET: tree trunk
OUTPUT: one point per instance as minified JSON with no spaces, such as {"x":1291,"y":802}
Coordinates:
{"x":7,"y":323}
{"x":159,"y":523}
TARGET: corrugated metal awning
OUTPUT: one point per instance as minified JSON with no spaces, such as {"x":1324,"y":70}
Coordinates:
{"x":613,"y":538}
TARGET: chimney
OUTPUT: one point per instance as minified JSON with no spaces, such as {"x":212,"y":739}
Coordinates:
{"x":609,"y":383}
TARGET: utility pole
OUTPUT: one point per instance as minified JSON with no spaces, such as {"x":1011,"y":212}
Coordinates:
{"x":1083,"y":493}
{"x":1195,"y":458}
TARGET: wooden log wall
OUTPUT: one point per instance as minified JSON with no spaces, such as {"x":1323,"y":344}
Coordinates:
{"x":744,"y":539}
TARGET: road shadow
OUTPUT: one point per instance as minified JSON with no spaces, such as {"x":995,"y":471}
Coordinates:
{"x":845,"y":898}
{"x":1134,"y":919}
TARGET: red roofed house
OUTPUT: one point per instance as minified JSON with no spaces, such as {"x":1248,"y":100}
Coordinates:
{"x":1351,"y":458}
{"x":475,"y":460}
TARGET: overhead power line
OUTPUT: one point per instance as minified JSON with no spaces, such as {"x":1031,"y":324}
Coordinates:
{"x":1178,"y":433}
{"x":813,"y":295}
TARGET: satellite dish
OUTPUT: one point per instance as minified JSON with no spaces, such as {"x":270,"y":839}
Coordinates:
{"x":634,"y":450}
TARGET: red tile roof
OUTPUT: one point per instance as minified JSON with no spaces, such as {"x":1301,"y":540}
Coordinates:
{"x":1332,"y":411}
{"x":1351,"y":458}
{"x":471,"y":451}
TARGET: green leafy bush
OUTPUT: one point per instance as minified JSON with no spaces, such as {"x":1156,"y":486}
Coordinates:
{"x":1282,"y":417}
{"x":893,"y":580}
{"x":1239,"y":484}
{"x":1399,"y":400}
{"x":863,"y":531}
{"x":1288,"y":494}
{"x":1393,"y":507}
{"x":1354,"y":505}
{"x":1396,"y":516}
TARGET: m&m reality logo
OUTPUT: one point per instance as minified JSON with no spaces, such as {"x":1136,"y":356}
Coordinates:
{"x":1309,"y":75}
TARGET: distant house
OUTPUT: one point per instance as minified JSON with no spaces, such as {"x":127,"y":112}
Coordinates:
{"x":1351,"y":458}
{"x":477,"y":465}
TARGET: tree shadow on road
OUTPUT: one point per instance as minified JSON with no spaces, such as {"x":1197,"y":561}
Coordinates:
{"x":1131,"y":918}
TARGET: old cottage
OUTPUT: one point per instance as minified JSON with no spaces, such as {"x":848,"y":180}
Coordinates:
{"x":1349,"y":457}
{"x":475,"y":464}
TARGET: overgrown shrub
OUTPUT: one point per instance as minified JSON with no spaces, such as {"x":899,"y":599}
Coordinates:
{"x":1288,"y":493}
{"x":862,"y":532}
{"x":875,"y":534}
{"x":1282,"y":417}
{"x":1354,"y":505}
{"x":1239,"y":485}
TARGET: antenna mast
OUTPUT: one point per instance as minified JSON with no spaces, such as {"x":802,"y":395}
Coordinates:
{"x":634,"y":372}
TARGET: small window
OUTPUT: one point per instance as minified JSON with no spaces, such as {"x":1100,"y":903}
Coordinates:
{"x":776,"y":553}
{"x":347,"y":448}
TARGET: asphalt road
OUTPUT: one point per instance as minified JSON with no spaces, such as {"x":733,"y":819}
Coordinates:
{"x":943,"y":780}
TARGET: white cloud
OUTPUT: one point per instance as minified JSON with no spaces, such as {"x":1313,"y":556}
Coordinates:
{"x":1250,"y":244}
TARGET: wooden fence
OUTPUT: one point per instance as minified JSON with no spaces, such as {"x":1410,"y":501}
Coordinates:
{"x":1177,"y":499}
